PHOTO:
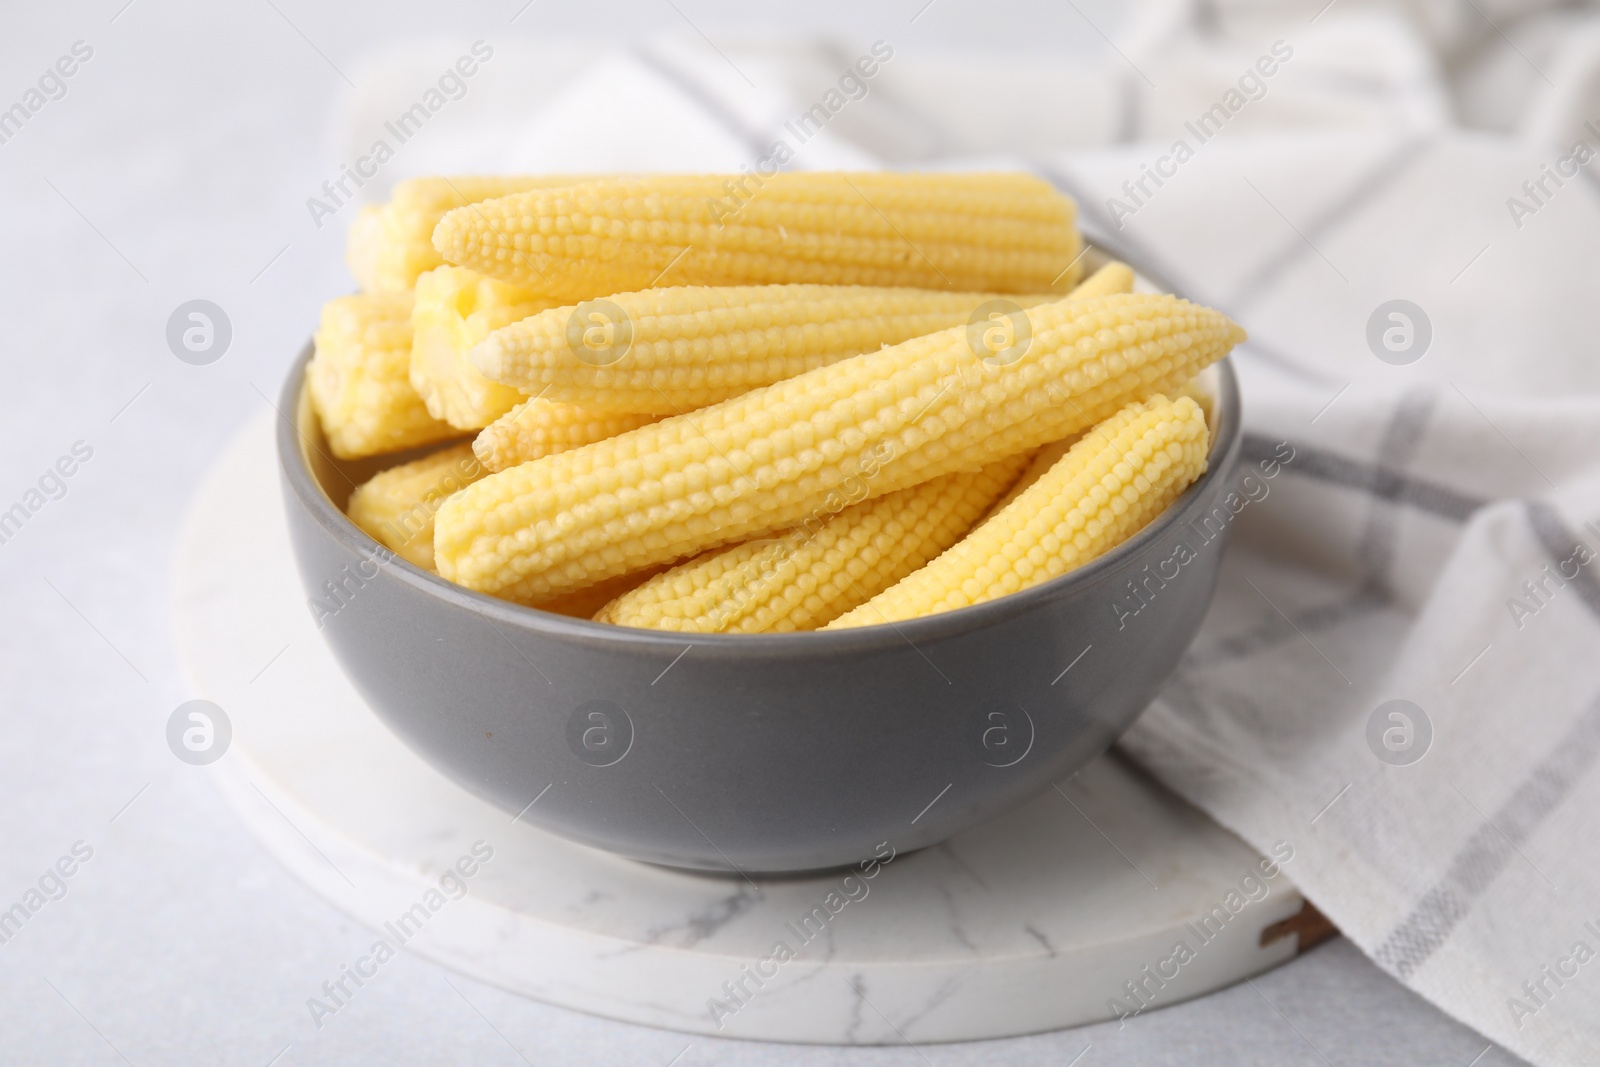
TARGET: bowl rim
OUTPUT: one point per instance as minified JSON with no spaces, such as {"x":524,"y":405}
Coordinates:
{"x":294,"y":464}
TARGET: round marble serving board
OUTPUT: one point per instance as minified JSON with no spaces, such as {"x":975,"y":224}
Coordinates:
{"x":1031,"y":922}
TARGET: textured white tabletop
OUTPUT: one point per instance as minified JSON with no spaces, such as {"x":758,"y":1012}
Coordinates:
{"x":176,"y":166}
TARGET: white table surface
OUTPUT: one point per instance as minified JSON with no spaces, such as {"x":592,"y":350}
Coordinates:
{"x":176,"y":167}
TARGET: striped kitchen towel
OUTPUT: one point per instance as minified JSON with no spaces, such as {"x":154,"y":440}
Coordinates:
{"x":1401,"y":671}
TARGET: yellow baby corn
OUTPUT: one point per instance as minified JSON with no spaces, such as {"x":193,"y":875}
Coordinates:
{"x":455,"y":309}
{"x":583,"y":603}
{"x":806,"y":576}
{"x":396,"y":506}
{"x":1118,"y":477}
{"x":391,"y":244}
{"x":1006,"y":232}
{"x":1046,"y":458}
{"x":1114,"y":277}
{"x":359,"y":378}
{"x":676,"y":349}
{"x":770,"y":458}
{"x":1200,"y":395}
{"x":539,"y":427}
{"x":1039,"y":464}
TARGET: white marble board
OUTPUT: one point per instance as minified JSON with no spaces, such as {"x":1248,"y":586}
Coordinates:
{"x":1038,"y":920}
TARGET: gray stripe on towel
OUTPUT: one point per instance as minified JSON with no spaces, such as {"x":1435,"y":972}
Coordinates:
{"x":1120,"y":243}
{"x":1420,"y":493}
{"x":1402,"y":439}
{"x":1486,"y":853}
{"x":713,"y":106}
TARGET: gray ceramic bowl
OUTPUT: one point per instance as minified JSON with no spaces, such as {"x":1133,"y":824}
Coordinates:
{"x":756,"y":753}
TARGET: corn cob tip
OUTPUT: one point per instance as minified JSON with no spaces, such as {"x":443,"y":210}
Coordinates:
{"x":537,"y":428}
{"x":391,"y":244}
{"x":396,"y":506}
{"x":359,"y":380}
{"x":488,"y":356}
{"x":1115,"y":480}
{"x":1114,"y":277}
{"x":455,"y":308}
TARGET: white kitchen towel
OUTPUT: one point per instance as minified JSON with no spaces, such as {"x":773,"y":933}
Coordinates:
{"x":1401,"y":672}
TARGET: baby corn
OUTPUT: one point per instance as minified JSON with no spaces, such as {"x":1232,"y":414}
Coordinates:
{"x":1040,"y":464}
{"x":673,"y":350}
{"x":1118,"y":477}
{"x":396,"y":506}
{"x":583,"y":603}
{"x":539,"y":427}
{"x":359,"y":378}
{"x":455,"y":309}
{"x":811,"y":574}
{"x":1200,"y":395}
{"x":1005,"y":232}
{"x":391,"y":244}
{"x":768,"y":459}
{"x":1114,"y":277}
